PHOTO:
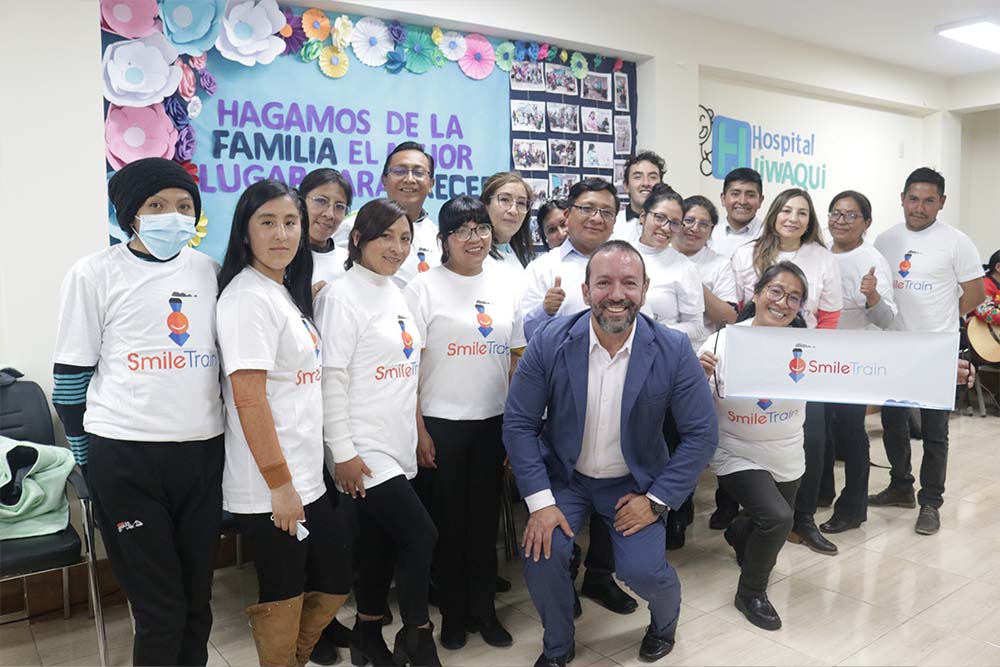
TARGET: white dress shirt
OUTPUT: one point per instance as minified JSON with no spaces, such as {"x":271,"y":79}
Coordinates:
{"x":725,"y":240}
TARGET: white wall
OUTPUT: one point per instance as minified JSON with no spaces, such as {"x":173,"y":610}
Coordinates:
{"x":980,"y":170}
{"x":51,"y":153}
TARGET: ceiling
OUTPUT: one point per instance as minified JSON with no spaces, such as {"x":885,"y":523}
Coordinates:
{"x":896,"y":31}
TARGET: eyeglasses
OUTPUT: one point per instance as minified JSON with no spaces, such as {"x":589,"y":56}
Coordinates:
{"x":662,"y":220}
{"x":836,"y":216}
{"x":482,"y":230}
{"x":588,"y":211}
{"x":775,"y":293}
{"x":418,"y":173}
{"x":324,"y":203}
{"x":698,"y":225}
{"x":506,"y":201}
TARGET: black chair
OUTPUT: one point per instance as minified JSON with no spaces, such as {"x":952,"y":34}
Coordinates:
{"x":24,"y":415}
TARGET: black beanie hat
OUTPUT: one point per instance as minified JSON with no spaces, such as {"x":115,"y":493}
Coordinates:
{"x":136,"y":182}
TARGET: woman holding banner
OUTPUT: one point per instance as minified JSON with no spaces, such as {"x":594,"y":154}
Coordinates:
{"x":791,"y":233}
{"x":759,"y":462}
{"x":508,"y":199}
{"x":868,"y":303}
{"x":327,"y":195}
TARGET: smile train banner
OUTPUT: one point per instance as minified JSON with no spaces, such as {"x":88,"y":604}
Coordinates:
{"x":864,"y":367}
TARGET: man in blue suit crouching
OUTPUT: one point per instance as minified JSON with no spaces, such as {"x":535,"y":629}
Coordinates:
{"x":606,"y":376}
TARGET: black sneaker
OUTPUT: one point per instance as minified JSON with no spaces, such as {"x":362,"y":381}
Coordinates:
{"x":928,"y":521}
{"x":890,"y":497}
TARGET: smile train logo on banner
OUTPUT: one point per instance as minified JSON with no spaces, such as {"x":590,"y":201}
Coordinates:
{"x":797,"y":365}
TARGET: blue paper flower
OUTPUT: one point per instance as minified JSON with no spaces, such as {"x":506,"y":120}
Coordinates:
{"x":398,"y":32}
{"x":192,"y":26}
{"x":396,"y":60}
{"x":519,"y":50}
{"x":176,"y":109}
{"x":533,"y":49}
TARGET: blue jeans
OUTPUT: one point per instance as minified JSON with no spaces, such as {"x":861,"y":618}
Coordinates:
{"x":640,"y":560}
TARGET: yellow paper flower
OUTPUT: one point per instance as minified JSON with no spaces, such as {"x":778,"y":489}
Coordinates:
{"x":200,"y":231}
{"x":563,"y":56}
{"x":333,"y":62}
{"x":315,"y":24}
{"x":343,"y":28}
{"x":437,"y":36}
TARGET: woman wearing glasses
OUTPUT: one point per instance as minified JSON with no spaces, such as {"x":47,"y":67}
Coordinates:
{"x":868,"y":303}
{"x":466,"y":317}
{"x":508,"y":199}
{"x":328,"y":196}
{"x":759,"y":461}
{"x":791,"y":233}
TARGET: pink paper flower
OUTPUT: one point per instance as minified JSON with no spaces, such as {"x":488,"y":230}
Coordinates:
{"x":478,"y":61}
{"x":132,"y":133}
{"x":198,"y":62}
{"x":129,"y":18}
{"x":189,"y":82}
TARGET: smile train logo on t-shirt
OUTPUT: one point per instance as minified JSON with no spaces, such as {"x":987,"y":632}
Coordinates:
{"x":422,"y":265}
{"x":764,"y":403}
{"x":797,"y":365}
{"x":484,"y":321}
{"x":407,"y":339}
{"x":905,"y":265}
{"x":177,"y":322}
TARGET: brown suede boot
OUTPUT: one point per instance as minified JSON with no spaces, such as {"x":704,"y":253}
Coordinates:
{"x":318,"y":609}
{"x":275,"y":628}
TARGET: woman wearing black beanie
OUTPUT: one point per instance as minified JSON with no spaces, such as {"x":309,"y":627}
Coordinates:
{"x":137,"y":388}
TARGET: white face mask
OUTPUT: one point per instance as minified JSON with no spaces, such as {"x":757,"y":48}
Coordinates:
{"x":165,"y":234}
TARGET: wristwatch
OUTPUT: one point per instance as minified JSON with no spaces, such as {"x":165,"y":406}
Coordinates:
{"x":658,"y":508}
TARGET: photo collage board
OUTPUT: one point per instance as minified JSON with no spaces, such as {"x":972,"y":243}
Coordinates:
{"x":565,"y":127}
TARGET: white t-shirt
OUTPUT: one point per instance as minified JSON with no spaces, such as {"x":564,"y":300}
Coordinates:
{"x":817,"y":263}
{"x":329,"y":265}
{"x":854,"y":266}
{"x":717,"y":276}
{"x":425,"y":252}
{"x":372,"y":334}
{"x":149,"y":327}
{"x":755,"y":434}
{"x":260,"y":328}
{"x":626,"y":230}
{"x":468,"y":325}
{"x":927,"y":267}
{"x":725,"y":240}
{"x":675,"y":291}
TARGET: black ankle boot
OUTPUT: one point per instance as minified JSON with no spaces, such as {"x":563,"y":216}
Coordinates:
{"x":368,"y":645}
{"x":415,"y":647}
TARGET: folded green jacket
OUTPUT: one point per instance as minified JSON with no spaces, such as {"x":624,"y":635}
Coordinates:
{"x":33,"y":488}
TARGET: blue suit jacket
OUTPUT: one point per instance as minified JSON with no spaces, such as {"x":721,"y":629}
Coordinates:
{"x":663,"y":373}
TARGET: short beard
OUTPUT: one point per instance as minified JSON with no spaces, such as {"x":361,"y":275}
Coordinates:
{"x":610,"y":327}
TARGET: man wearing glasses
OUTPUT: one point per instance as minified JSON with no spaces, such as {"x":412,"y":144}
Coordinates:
{"x":642,"y":172}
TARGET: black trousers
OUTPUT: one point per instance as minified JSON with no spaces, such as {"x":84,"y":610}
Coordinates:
{"x":287,"y":567}
{"x":763,"y":525}
{"x":462,"y":495}
{"x":847,"y":428}
{"x":159,"y":508}
{"x":933,"y":468}
{"x":394,"y":526}
{"x":815,"y":449}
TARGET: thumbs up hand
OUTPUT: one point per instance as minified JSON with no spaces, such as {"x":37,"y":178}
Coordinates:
{"x":554,"y":298}
{"x":869,"y":285}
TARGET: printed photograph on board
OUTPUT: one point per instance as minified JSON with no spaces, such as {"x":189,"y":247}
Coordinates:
{"x":596,"y":86}
{"x":563,"y":117}
{"x":529,"y":154}
{"x":560,"y":79}
{"x":527,"y":76}
{"x":619,"y":178}
{"x":564,"y":153}
{"x":595,"y":120}
{"x":599,"y":154}
{"x":527,"y":116}
{"x":540,"y":186}
{"x":559,"y":184}
{"x":623,"y":135}
{"x":621,"y":91}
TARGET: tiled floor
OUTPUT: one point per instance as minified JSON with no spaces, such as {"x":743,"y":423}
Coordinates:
{"x":890,"y":598}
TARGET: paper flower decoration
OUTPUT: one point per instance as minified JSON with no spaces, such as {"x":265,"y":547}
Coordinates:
{"x":453,"y":45}
{"x":533,"y":50}
{"x":316,"y":24}
{"x":194,"y":107}
{"x":132,"y":133}
{"x":292,"y":33}
{"x":200,"y":227}
{"x":207,"y":82}
{"x":504,"y":54}
{"x":563,"y":56}
{"x":186,"y":144}
{"x":177,"y":109}
{"x":477,"y":63}
{"x":190,"y":168}
{"x":396,"y":60}
{"x":188,"y":83}
{"x":129,"y":18}
{"x":371,"y":41}
{"x":248,"y":32}
{"x":618,"y":65}
{"x":140,"y":72}
{"x":552,"y":54}
{"x":519,"y":51}
{"x":198,"y":62}
{"x":437,"y":35}
{"x":543,"y":51}
{"x":397,"y":32}
{"x":598,"y":60}
{"x":578,"y":65}
{"x":333,"y":62}
{"x":419,"y":51}
{"x":192,"y":26}
{"x":342,"y":29}
{"x":437,"y":57}
{"x":310,"y":50}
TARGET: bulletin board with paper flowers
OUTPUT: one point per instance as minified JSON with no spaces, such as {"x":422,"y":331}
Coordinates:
{"x":240,"y":90}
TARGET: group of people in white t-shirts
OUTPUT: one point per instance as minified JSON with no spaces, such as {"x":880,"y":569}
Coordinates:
{"x":339,"y":384}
